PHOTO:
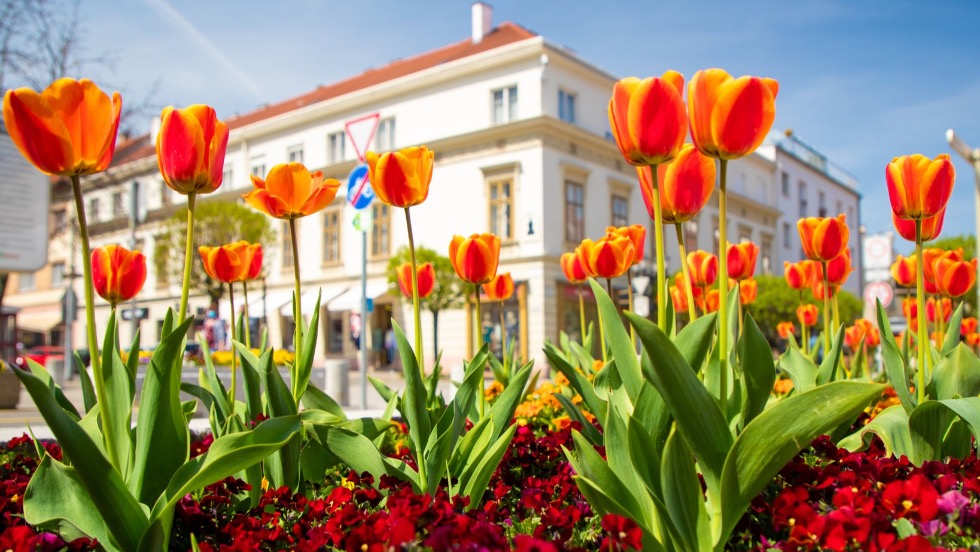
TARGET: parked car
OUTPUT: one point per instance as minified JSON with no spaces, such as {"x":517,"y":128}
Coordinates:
{"x":39,"y":355}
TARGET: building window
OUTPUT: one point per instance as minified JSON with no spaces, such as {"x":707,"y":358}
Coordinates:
{"x":821,"y":204}
{"x":336,"y":147}
{"x":504,"y":105}
{"x":165,"y":191}
{"x":802,"y":198}
{"x":226,"y":176}
{"x":257,"y":167}
{"x":94,"y":209}
{"x":840,"y":208}
{"x":566,"y":106}
{"x":691,"y":235}
{"x":765,"y":252}
{"x":620,"y":210}
{"x":294,"y":154}
{"x":117,"y":205}
{"x":57,"y":274}
{"x":787,"y":237}
{"x":574,"y":212}
{"x":59,"y":220}
{"x":161,"y":263}
{"x":384,"y":138}
{"x":380,"y":230}
{"x":716,"y":235}
{"x":25,"y":282}
{"x":502,"y":208}
{"x":785,"y":181}
{"x":332,"y":221}
{"x":287,"y":245}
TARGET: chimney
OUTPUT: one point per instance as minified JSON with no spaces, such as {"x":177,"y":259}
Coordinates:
{"x":154,"y":129}
{"x":481,"y":21}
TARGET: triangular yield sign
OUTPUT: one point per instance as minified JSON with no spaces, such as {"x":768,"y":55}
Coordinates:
{"x":361,"y":132}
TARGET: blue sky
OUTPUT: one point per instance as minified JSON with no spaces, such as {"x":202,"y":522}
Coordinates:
{"x":861,"y":81}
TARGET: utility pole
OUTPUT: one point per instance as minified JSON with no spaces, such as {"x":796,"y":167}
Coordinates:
{"x":134,"y":215}
{"x":973,"y":156}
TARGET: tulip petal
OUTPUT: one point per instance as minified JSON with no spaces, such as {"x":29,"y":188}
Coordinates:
{"x":702,"y":95}
{"x":37,"y":131}
{"x":742,"y":117}
{"x":180,"y":148}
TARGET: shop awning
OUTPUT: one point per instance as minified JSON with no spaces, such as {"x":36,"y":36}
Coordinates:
{"x":309,"y":297}
{"x":351,"y":299}
{"x":39,"y":321}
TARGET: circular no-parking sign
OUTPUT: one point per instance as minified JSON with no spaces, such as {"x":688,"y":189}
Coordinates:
{"x":359,"y":191}
{"x":879,"y":291}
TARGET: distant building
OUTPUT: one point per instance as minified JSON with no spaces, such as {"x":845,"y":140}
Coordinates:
{"x":523,"y":150}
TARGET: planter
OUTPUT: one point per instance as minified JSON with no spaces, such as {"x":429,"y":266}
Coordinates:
{"x":9,"y":388}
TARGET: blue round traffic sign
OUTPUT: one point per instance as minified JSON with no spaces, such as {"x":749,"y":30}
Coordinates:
{"x":359,"y":192}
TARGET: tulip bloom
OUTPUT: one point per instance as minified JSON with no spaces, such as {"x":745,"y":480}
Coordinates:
{"x":800,"y":275}
{"x":968,"y":325}
{"x":741,"y":260}
{"x":747,"y":291}
{"x":903,"y":271}
{"x":955,"y":278}
{"x":426,"y":279}
{"x":931,"y":257}
{"x":290,"y":191}
{"x":191,"y":148}
{"x":931,"y":227}
{"x":679,"y":298}
{"x":572,"y":266}
{"x":973,"y":339}
{"x":703,"y":267}
{"x":475,"y":258}
{"x":823,"y":238}
{"x":69,"y":129}
{"x":785,"y":329}
{"x":945,"y":307}
{"x":730,"y":117}
{"x":117,"y":273}
{"x":712,"y":299}
{"x":818,"y":290}
{"x":919,"y":187}
{"x":685,"y":184}
{"x":401,"y":178}
{"x":228,"y":263}
{"x":807,"y":315}
{"x":637,"y":233}
{"x":837,"y":270}
{"x":501,"y":288}
{"x":255,"y":264}
{"x":647,"y":118}
{"x":609,"y":257}
{"x":910,"y":308}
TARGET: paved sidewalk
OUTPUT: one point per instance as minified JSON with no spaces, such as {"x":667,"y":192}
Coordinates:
{"x":14,"y":422}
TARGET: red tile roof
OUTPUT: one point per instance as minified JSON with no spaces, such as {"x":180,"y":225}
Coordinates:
{"x":502,"y":35}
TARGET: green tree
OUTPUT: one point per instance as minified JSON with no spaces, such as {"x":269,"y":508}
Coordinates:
{"x":776,"y":302}
{"x":215,"y":223}
{"x":448,"y":292}
{"x":969,"y":245}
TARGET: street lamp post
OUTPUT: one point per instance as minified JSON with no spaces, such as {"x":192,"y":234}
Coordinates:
{"x":973,"y":156}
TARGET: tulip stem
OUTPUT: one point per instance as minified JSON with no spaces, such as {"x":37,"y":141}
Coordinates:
{"x":629,"y":295}
{"x":836,"y":310}
{"x":93,"y":344}
{"x":298,"y":313}
{"x":188,"y":257}
{"x":723,"y":287}
{"x":806,"y":339}
{"x":503,"y":343}
{"x":479,"y":341}
{"x":741,"y":309}
{"x":415,"y":294}
{"x":921,"y":339}
{"x":602,"y":333}
{"x":658,"y":232}
{"x":248,"y":322}
{"x":581,"y":312}
{"x":688,"y":286}
{"x":826,"y":311}
{"x":234,"y":379}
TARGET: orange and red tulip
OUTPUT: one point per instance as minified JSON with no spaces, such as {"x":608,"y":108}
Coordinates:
{"x":748,"y":290}
{"x":944,"y":306}
{"x":637,"y":233}
{"x":903,"y":271}
{"x":807,"y":315}
{"x":910,"y":308}
{"x":712,"y":299}
{"x":818,"y":290}
{"x":571,"y":265}
{"x":255,"y":265}
{"x":678,"y":297}
{"x":785,"y":329}
{"x":228,"y":263}
{"x":730,"y":117}
{"x":955,"y":278}
{"x":862,"y":330}
{"x":837,"y":270}
{"x":973,"y":339}
{"x":931,"y":227}
{"x":609,"y":257}
{"x":742,"y":258}
{"x":426,"y":276}
{"x":648,"y":119}
{"x":685,"y":184}
{"x":931,"y":256}
{"x":703,"y":267}
{"x":919,"y":187}
{"x":501,"y":288}
{"x":475,"y":258}
{"x":118,"y":274}
{"x":968,"y":325}
{"x":800,"y":275}
{"x":290,"y":191}
{"x":823,"y":238}
{"x":191,"y":148}
{"x":68,"y":129}
{"x":401,"y":178}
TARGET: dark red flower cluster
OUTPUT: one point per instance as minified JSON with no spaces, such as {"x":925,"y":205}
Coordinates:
{"x":831,"y":499}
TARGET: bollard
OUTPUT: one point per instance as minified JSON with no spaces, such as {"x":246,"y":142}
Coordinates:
{"x":337,"y":380}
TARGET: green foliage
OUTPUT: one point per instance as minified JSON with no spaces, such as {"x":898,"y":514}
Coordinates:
{"x":776,"y":302}
{"x":215,"y":223}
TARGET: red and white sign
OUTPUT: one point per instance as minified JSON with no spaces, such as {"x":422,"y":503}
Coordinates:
{"x":361,"y":131}
{"x":879,"y":291}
